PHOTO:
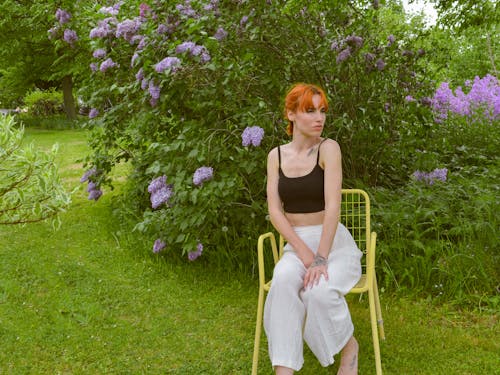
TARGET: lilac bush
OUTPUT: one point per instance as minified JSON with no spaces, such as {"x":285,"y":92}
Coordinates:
{"x":183,"y":80}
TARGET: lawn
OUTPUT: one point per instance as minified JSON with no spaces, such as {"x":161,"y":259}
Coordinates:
{"x":91,"y":298}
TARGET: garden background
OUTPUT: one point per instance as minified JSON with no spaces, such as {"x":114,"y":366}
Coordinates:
{"x":164,"y":112}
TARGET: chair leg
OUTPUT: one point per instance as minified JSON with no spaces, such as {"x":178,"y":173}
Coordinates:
{"x":258,"y":331}
{"x":380,"y":320}
{"x":373,"y":321}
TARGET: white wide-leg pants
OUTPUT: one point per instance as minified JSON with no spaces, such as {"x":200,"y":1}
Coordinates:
{"x":318,"y":315}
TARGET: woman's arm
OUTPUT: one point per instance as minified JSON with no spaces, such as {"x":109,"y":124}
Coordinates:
{"x":278,"y":218}
{"x":332,"y":162}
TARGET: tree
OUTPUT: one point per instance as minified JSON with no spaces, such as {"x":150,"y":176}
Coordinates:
{"x":29,"y":59}
{"x":30,"y":188}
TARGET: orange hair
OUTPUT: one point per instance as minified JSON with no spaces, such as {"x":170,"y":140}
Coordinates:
{"x":299,"y":98}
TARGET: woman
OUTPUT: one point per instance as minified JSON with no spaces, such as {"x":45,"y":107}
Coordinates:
{"x":321,"y":261}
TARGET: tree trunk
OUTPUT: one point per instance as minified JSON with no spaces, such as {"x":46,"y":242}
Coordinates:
{"x":69,"y":101}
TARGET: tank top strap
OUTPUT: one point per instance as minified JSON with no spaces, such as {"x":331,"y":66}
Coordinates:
{"x":279,"y":157}
{"x":317,"y":161}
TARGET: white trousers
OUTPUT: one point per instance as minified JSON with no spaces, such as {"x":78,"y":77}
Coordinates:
{"x":319,"y":315}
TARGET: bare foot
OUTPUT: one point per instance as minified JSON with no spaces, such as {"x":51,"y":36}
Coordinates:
{"x":349,"y":360}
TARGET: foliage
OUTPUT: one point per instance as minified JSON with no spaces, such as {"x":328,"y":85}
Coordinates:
{"x":173,"y":87}
{"x":44,"y":103}
{"x":30,"y":189}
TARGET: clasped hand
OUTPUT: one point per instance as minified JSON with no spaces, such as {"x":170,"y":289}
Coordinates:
{"x":317,"y":268}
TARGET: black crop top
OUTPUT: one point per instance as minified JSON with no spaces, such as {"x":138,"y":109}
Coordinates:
{"x":304,"y":194}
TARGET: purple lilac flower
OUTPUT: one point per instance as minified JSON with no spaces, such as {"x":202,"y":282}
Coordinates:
{"x":94,"y":67}
{"x":202,"y":174}
{"x":205,"y":57}
{"x":391,"y":40}
{"x":243,"y":21}
{"x":70,"y":36}
{"x":154,"y":90}
{"x":94,"y":112}
{"x":171,"y":63}
{"x":380,"y":64}
{"x":185,"y":47}
{"x":104,"y":28}
{"x":140,"y":75}
{"x":88,"y":174}
{"x":112,"y":11}
{"x":142,"y":44}
{"x":421,"y":52}
{"x":144,"y":10}
{"x":343,"y":55}
{"x":162,"y":29}
{"x":153,"y":102}
{"x":160,"y":191}
{"x":335,"y":46}
{"x":369,"y":57}
{"x":436,"y":175}
{"x":62,"y":16}
{"x":99,"y":53}
{"x":157,"y":184}
{"x":158,"y":246}
{"x":134,"y":58}
{"x":409,"y":98}
{"x":193,"y":255}
{"x":252,"y":136}
{"x":127,"y":29}
{"x":355,"y":41}
{"x":94,"y":192}
{"x":387,"y":106}
{"x":197,"y":50}
{"x":220,"y":34}
{"x":407,"y":53}
{"x":107,"y":64}
{"x":144,"y":83}
{"x":186,"y":9}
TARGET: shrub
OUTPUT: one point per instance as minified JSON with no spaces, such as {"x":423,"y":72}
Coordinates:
{"x":44,"y":103}
{"x":441,"y":239}
{"x":173,"y":87}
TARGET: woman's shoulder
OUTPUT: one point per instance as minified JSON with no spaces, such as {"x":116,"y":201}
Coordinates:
{"x":330,"y":145}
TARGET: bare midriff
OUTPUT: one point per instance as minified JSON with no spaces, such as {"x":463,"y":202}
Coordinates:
{"x":302,"y":220}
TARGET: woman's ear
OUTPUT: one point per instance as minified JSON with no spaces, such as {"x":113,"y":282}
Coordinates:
{"x":290,"y":115}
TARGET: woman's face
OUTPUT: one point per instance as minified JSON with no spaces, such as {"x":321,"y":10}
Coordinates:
{"x":311,"y":121}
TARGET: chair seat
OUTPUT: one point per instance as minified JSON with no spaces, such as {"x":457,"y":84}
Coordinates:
{"x":362,"y":285}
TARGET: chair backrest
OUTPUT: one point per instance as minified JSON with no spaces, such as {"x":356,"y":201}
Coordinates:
{"x":355,"y":215}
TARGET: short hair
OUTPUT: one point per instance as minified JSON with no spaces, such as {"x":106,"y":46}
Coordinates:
{"x":299,"y":98}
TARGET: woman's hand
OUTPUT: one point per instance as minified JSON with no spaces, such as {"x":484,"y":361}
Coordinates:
{"x":317,"y":268}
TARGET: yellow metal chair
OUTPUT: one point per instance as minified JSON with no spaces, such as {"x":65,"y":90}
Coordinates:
{"x":355,"y":215}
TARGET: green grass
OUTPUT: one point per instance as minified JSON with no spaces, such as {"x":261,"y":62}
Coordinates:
{"x":91,"y":298}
